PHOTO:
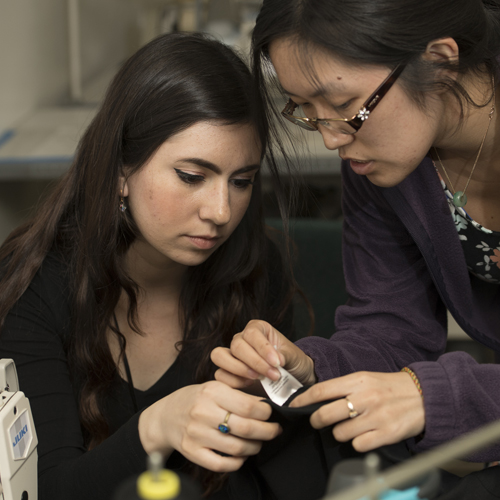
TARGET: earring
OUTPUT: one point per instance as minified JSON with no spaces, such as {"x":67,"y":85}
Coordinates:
{"x":122,"y":206}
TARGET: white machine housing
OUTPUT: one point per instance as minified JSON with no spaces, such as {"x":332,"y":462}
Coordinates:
{"x":18,"y":441}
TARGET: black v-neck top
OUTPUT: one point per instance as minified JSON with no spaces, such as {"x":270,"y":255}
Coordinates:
{"x":35,"y":335}
{"x":120,"y":406}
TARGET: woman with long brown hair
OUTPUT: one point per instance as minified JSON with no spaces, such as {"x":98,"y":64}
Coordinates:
{"x":150,"y":253}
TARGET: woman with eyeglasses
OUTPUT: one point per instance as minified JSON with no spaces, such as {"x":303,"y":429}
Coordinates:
{"x":149,"y":253}
{"x":406,"y":92}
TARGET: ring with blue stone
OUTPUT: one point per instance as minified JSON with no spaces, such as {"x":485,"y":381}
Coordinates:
{"x":223,"y":427}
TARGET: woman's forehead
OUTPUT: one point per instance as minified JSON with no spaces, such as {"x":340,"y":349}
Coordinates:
{"x":308,"y":69}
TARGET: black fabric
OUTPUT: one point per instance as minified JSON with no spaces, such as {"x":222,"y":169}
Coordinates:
{"x":296,"y":465}
{"x":130,"y":382}
{"x":35,"y":334}
{"x":480,"y":485}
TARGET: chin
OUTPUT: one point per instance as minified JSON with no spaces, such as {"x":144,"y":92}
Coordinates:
{"x":384,"y":180}
{"x":193,"y":262}
{"x":196,"y":260}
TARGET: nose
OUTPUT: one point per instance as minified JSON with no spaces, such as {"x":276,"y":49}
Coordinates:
{"x":216,"y":206}
{"x":335,"y":140}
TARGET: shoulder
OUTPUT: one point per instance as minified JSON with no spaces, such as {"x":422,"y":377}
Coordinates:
{"x":45,"y":305}
{"x":51,"y":282}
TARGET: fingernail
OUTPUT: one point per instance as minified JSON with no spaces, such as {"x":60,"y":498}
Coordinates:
{"x":273,"y":359}
{"x":253,"y":374}
{"x":273,"y":374}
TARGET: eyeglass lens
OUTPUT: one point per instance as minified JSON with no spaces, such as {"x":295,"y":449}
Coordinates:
{"x":340,"y":126}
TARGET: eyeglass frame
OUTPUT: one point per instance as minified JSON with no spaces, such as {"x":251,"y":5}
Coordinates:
{"x":358,"y":119}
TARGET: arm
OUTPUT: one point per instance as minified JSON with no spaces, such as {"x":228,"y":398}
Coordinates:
{"x":394,"y":315}
{"x":459,"y":395}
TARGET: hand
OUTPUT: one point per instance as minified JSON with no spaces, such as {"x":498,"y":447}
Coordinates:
{"x":256,"y":352}
{"x":389,"y":405}
{"x":187,"y":420}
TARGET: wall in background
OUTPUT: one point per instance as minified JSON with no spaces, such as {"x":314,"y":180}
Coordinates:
{"x":33,"y":59}
{"x":109,"y":34}
{"x":34,"y":49}
{"x":34,"y":69}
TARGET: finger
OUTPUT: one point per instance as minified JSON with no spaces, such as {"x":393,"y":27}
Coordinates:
{"x":201,"y":436}
{"x":235,"y":446}
{"x":246,"y":353}
{"x":330,"y":414}
{"x":222,"y":357}
{"x":352,"y":428}
{"x":208,"y":459}
{"x":206,"y":434}
{"x":232,"y":380}
{"x":232,"y":400}
{"x":317,"y":393}
{"x":248,"y":406}
{"x":373,"y":439}
{"x":329,"y":389}
{"x":249,"y":429}
{"x":253,"y":347}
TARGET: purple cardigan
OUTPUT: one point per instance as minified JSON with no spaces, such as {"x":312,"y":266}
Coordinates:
{"x":404,"y":265}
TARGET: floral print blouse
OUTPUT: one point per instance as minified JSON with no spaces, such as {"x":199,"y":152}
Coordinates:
{"x":481,"y":246}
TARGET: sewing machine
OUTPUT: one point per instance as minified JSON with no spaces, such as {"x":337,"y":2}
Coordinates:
{"x":18,"y":441}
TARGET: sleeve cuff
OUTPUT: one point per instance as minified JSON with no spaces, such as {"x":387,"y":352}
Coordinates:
{"x":440,"y":412}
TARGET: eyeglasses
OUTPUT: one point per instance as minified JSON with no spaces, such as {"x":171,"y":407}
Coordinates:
{"x":345,"y":125}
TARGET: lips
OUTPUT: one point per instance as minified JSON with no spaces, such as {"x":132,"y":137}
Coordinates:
{"x":346,"y":158}
{"x":204,"y":242}
{"x":362,"y":167}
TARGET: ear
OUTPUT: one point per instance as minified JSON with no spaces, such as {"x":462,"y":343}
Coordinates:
{"x":122,"y":185}
{"x":442,"y":50}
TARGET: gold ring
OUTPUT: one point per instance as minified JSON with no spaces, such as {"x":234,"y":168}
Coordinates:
{"x":352,"y":412}
{"x":223,"y":427}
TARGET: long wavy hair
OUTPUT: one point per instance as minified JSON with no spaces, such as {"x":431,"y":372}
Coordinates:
{"x":387,"y":33}
{"x":170,"y":84}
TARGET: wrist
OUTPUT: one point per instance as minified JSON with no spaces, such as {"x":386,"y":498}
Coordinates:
{"x":151,"y":433}
{"x":310,"y":378}
{"x":416,"y":414}
{"x":411,"y":373}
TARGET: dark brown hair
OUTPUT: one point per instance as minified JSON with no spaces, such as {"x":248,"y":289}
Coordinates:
{"x":175,"y":81}
{"x":389,"y":33}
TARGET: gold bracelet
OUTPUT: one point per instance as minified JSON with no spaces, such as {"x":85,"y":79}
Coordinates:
{"x":414,"y":378}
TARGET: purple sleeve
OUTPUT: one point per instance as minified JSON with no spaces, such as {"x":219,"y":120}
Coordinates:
{"x":395,"y":318}
{"x":459,"y":395}
{"x":394,"y":315}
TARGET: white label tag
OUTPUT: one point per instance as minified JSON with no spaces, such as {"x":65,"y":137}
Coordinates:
{"x":280,"y":390}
